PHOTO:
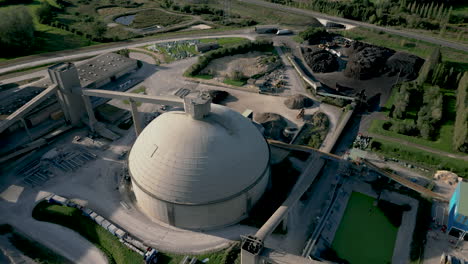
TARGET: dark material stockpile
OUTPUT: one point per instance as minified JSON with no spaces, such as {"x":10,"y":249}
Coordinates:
{"x":298,"y":101}
{"x":218,"y":96}
{"x":407,"y":65}
{"x":368,"y":61}
{"x":320,"y":60}
{"x":274,"y":124}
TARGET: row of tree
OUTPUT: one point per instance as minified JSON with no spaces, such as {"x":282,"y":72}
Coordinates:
{"x":460,"y":135}
{"x":415,"y":14}
{"x":428,"y":120}
{"x":432,"y":10}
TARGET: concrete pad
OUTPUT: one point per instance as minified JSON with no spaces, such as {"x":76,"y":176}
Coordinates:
{"x":12,"y":193}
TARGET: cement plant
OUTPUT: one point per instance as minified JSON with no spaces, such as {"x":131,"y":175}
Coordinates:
{"x":256,"y":132}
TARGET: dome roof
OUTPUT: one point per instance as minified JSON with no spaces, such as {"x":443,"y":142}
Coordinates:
{"x":183,"y":160}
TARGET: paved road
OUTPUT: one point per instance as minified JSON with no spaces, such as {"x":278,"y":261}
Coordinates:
{"x":435,"y":151}
{"x":77,"y":54}
{"x":436,"y":41}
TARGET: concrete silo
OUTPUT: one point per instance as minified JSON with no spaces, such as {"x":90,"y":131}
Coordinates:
{"x":199,"y":169}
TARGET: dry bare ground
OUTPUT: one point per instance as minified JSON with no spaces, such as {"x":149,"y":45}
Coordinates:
{"x":247,"y":63}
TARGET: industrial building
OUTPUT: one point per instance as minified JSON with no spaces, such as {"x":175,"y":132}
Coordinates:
{"x":199,"y":169}
{"x":103,"y":69}
{"x":458,"y":209}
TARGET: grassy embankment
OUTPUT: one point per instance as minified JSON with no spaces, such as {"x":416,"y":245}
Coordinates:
{"x":421,"y":157}
{"x":34,"y":250}
{"x":115,"y":251}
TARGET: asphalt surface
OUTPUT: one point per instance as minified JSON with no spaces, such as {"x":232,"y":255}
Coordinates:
{"x":283,"y":8}
{"x":77,"y":54}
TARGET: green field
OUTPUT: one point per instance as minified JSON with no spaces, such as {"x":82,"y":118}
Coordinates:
{"x":49,"y":38}
{"x":365,"y":235}
{"x":153,"y":17}
{"x":419,"y":48}
{"x":234,"y":82}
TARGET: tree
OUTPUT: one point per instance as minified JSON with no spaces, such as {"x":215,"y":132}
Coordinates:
{"x":439,"y":13}
{"x":460,"y":134}
{"x":16,"y":30}
{"x":45,"y":13}
{"x":413,"y":8}
{"x":313,"y":34}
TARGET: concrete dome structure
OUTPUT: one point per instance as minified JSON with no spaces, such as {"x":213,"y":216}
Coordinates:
{"x":199,"y":173}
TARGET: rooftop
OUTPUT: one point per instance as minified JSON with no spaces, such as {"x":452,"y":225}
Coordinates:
{"x":463,"y":200}
{"x":102,"y":67}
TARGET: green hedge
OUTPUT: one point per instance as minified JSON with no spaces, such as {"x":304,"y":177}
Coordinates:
{"x":203,"y":61}
{"x":72,"y":218}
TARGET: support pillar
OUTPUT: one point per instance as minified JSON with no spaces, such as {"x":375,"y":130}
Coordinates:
{"x":136,"y":117}
{"x":90,"y":111}
{"x":27,"y":130}
{"x":285,"y":221}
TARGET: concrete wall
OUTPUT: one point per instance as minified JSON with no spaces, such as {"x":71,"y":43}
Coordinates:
{"x":206,"y":216}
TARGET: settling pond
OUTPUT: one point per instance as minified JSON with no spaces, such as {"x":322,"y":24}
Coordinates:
{"x":125,"y":20}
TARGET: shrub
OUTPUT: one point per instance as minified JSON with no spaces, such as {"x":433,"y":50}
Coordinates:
{"x":314,"y":34}
{"x":387,"y":125}
{"x":45,"y":13}
{"x":375,"y":145}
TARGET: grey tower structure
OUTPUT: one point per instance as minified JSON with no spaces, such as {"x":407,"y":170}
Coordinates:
{"x":69,"y":93}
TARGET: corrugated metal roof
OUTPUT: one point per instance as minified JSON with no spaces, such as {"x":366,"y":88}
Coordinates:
{"x":463,"y":201}
{"x":182,"y":160}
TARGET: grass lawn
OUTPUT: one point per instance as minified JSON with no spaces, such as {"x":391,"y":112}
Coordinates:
{"x":365,"y":235}
{"x":233,"y":82}
{"x":225,"y":42}
{"x":419,"y":48}
{"x":153,"y":17}
{"x":443,"y":142}
{"x":421,"y":157}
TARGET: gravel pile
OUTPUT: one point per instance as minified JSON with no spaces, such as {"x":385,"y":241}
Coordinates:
{"x":298,"y":101}
{"x":320,"y":60}
{"x":218,"y":96}
{"x":407,"y":65}
{"x":368,"y":61}
{"x":274,"y":124}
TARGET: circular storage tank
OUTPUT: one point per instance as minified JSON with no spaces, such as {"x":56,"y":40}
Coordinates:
{"x":199,"y":174}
